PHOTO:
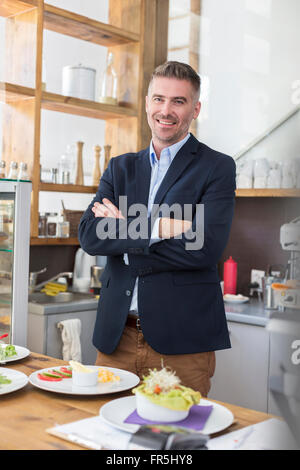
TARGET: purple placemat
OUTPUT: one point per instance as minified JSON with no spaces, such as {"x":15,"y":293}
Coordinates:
{"x":196,"y":418}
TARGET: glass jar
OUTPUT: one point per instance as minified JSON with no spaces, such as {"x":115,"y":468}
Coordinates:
{"x":63,"y":228}
{"x":13,"y":171}
{"x":54,"y":175}
{"x":51,"y":224}
{"x":23,"y":173}
{"x":64,"y":168}
{"x":2,"y":169}
{"x":42,"y":225}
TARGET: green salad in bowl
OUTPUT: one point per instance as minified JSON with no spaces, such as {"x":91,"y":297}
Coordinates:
{"x":161,"y":397}
{"x":7,"y":351}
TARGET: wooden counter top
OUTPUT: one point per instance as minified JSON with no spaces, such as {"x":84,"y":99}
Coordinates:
{"x":30,"y":411}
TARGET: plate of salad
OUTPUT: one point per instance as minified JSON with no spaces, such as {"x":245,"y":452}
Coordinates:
{"x":11,"y":352}
{"x":59,"y":380}
{"x":11,"y":380}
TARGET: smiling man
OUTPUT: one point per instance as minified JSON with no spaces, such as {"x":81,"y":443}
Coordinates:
{"x":160,"y":300}
{"x":171,"y":105}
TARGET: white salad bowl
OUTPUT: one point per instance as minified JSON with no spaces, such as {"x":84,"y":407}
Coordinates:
{"x":85,"y":379}
{"x":152,"y":412}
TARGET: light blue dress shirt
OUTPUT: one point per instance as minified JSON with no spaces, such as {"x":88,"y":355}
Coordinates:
{"x":159,"y":168}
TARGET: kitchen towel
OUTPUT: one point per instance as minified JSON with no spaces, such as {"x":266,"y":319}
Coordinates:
{"x":196,"y":418}
{"x":70,"y":335}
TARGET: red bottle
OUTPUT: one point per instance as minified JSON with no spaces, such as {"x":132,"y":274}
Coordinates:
{"x":230,"y":276}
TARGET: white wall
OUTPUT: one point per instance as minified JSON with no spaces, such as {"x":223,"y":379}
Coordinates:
{"x":248,"y":51}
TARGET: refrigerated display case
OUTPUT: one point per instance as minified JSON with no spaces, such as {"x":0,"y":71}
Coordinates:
{"x":14,"y":259}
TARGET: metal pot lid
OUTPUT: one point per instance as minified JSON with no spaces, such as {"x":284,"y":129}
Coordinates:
{"x":79,"y":66}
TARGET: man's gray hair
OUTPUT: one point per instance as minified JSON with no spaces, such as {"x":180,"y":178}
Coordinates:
{"x":179,"y":70}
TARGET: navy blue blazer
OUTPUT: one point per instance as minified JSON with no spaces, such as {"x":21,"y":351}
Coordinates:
{"x":179,"y":295}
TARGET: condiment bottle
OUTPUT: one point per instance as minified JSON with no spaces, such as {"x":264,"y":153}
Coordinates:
{"x":42,"y":225}
{"x":13,"y":171}
{"x":52,"y":224}
{"x":2,"y":169}
{"x":109,"y":83}
{"x":79,"y":166}
{"x":63,"y":227}
{"x":107,"y":149}
{"x":54,"y":175}
{"x":96,"y":169}
{"x":230,"y":276}
{"x":23,"y":174}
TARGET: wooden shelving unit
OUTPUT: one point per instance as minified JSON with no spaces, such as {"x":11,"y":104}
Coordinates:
{"x":91,"y":109}
{"x":15,"y":7}
{"x":67,"y":188}
{"x":54,"y":241}
{"x":10,"y":92}
{"x":268,"y":192}
{"x":71,"y":24}
{"x":136,"y":34}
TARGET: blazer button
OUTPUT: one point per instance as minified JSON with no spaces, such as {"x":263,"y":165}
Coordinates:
{"x":128,"y":293}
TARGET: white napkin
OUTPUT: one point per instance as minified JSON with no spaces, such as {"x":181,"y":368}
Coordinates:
{"x":70,"y":336}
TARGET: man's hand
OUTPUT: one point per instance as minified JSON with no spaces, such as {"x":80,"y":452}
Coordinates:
{"x":169,"y":228}
{"x":107,"y":209}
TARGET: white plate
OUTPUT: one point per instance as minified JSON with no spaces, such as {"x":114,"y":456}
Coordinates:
{"x":238,"y":300}
{"x":21,"y":353}
{"x":116,"y":411}
{"x":127,"y":380}
{"x":18,"y":380}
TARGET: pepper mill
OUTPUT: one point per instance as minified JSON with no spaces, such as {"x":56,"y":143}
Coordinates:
{"x":96,"y":169}
{"x":107,"y":149}
{"x":79,"y":166}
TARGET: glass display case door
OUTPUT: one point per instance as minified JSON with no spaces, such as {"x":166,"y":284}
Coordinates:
{"x":14,"y":260}
{"x":7,"y":205}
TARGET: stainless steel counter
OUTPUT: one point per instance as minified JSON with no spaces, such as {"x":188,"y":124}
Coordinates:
{"x":79,"y":302}
{"x":251,"y":313}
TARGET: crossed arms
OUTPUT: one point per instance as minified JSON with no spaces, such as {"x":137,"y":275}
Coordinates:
{"x":169,"y":254}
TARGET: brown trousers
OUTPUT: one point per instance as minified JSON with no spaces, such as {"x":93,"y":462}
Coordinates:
{"x":135,"y":355}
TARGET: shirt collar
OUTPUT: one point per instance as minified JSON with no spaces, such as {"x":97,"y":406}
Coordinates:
{"x":170,"y":151}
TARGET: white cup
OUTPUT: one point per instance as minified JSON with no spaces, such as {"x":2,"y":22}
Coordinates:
{"x":85,"y":379}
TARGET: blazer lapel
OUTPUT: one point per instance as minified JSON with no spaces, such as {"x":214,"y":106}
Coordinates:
{"x":143,"y":177}
{"x":180,"y":162}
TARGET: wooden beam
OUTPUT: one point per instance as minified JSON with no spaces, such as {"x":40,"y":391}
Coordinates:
{"x":35,"y":173}
{"x":195,"y":8}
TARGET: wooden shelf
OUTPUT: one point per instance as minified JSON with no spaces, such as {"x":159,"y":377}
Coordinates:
{"x":53,"y":241}
{"x":67,"y":188}
{"x":15,"y":7}
{"x":268,"y":192}
{"x":92,"y":109}
{"x":71,"y":24}
{"x":78,"y":26}
{"x":10,"y":92}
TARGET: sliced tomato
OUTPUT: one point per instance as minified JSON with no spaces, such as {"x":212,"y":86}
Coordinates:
{"x":59,"y":374}
{"x":49,"y":379}
{"x":65,"y":370}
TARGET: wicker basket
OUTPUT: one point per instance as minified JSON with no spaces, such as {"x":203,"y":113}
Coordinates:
{"x":74,"y":218}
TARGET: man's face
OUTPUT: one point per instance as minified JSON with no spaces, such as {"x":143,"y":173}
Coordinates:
{"x":171,"y":105}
